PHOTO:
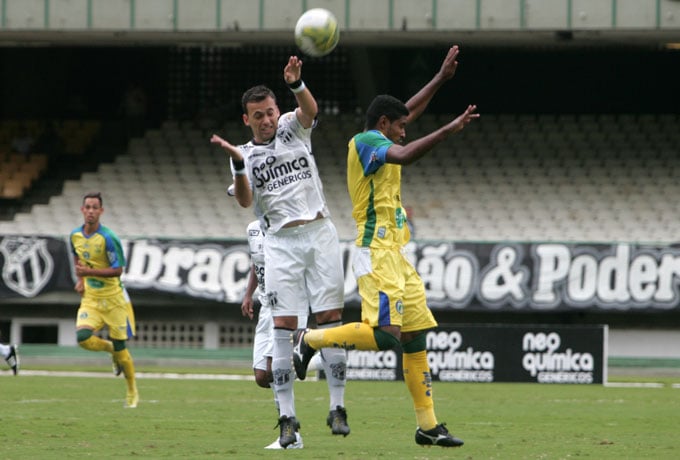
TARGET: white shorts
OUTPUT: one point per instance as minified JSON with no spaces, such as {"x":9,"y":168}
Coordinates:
{"x":304,"y":268}
{"x":263,"y":342}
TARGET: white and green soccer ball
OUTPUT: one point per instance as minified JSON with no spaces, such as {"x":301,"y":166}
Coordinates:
{"x":316,"y":32}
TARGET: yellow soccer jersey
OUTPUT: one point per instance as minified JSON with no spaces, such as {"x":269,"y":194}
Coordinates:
{"x":101,"y":249}
{"x":375,"y":190}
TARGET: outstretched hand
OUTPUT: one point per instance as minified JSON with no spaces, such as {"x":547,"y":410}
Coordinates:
{"x":450,"y":64}
{"x":231,"y":149}
{"x":293,"y":70}
{"x":462,"y":120}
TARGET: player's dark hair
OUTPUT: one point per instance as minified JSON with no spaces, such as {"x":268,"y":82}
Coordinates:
{"x":256,"y":94}
{"x":96,"y":195}
{"x":386,"y":105}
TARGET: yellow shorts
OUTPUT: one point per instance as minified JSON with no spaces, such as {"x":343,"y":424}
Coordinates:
{"x":392,"y":293}
{"x":115,"y":312}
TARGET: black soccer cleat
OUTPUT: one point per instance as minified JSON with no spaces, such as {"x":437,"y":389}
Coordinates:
{"x":289,"y":426}
{"x":13,"y":359}
{"x":437,"y":436}
{"x":337,"y":421}
{"x":302,"y":353}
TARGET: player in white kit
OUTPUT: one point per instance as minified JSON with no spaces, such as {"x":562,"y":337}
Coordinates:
{"x":263,"y":339}
{"x":276,"y":173}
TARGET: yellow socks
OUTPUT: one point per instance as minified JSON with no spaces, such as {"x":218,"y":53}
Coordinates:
{"x":419,"y":382}
{"x":94,"y":343}
{"x":124,"y":360}
{"x":121,"y":359}
{"x":350,"y":336}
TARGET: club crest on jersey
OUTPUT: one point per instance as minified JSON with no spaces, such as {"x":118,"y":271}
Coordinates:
{"x":273,"y":298}
{"x":284,"y":135}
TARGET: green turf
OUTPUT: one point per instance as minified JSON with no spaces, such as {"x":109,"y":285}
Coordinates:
{"x":46,"y":417}
{"x":75,"y":352}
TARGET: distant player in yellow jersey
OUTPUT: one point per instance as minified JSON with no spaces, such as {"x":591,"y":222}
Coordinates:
{"x":393,"y":305}
{"x":99,"y":263}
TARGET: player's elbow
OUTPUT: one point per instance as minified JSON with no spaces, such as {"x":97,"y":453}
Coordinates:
{"x":244,"y":202}
{"x":405,"y":161}
{"x":401,"y":158}
{"x":307,"y":115}
{"x":311,"y":109}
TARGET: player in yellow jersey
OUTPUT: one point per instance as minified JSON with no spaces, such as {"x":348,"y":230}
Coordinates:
{"x":393,"y":305}
{"x":99,"y":263}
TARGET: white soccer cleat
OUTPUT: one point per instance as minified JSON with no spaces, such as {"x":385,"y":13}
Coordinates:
{"x":296,"y":445}
{"x":316,"y":363}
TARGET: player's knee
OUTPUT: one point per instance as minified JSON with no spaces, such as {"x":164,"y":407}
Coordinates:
{"x":82,"y":335}
{"x":385,"y":340}
{"x":415,"y":344}
{"x":263,"y":378}
{"x":328,"y":317}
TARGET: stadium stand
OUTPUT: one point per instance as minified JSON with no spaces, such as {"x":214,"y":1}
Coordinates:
{"x":19,"y":172}
{"x":585,"y":178}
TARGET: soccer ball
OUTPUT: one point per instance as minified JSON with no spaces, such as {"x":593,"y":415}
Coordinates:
{"x":316,"y":32}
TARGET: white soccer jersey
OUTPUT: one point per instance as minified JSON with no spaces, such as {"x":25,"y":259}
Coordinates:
{"x":284,"y":176}
{"x":256,"y":249}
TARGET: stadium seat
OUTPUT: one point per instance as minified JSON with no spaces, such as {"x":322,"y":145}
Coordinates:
{"x":13,"y":189}
{"x":518,"y":177}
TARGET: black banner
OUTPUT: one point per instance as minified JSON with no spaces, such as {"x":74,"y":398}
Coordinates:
{"x":498,"y":353}
{"x":32,"y":265}
{"x":459,"y":276}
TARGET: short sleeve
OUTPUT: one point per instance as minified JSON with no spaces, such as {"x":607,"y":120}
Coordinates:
{"x":371,"y":147}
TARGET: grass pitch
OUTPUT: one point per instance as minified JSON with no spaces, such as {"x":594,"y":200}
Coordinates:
{"x":44,"y":417}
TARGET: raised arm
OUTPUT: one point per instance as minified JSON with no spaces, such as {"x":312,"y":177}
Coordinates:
{"x":307,"y":106}
{"x":419,"y":101}
{"x":407,"y":154}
